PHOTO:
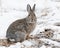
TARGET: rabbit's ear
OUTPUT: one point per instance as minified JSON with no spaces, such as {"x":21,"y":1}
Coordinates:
{"x":28,"y":8}
{"x":34,"y":7}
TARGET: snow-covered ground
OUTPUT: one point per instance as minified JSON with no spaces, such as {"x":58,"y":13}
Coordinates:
{"x":48,"y":17}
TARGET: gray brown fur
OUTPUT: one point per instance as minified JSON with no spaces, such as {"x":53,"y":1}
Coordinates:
{"x":19,"y":29}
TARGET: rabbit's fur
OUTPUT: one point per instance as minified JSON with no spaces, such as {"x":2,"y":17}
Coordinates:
{"x":21,"y":28}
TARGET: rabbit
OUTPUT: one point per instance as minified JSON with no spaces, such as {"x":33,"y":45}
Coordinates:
{"x":20,"y":29}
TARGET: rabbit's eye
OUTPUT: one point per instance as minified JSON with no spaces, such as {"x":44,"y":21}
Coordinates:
{"x":29,"y":15}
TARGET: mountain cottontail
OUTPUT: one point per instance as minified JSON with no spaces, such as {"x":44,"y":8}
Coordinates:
{"x":21,"y":28}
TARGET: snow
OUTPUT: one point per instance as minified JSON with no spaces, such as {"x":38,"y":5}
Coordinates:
{"x":11,"y":10}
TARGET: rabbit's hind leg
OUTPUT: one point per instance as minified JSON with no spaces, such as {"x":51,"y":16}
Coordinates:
{"x":20,"y":36}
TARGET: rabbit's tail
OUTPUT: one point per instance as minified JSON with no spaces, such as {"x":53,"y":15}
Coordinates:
{"x":4,"y":42}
